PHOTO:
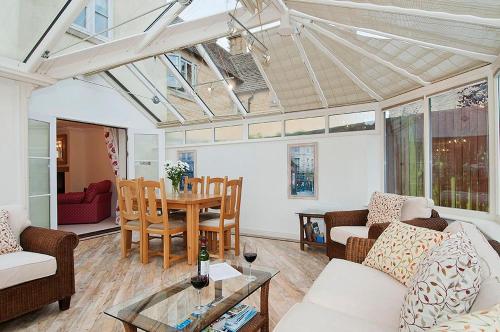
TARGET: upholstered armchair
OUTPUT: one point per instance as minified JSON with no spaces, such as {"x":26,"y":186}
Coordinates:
{"x":341,"y":225}
{"x":91,"y":206}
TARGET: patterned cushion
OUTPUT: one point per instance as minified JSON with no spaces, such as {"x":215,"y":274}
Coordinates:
{"x":480,"y":321}
{"x":445,"y":285}
{"x":8,"y":241}
{"x":400,"y":248}
{"x":384,"y":208}
{"x":96,"y":188}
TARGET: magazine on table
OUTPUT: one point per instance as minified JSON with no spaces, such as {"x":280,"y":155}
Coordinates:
{"x":233,"y":320}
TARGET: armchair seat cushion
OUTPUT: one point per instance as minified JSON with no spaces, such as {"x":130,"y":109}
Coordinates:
{"x":311,"y":317}
{"x":19,"y":267}
{"x":342,"y":233}
{"x":360,"y":291}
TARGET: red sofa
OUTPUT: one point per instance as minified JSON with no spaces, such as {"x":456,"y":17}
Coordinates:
{"x":88,"y":207}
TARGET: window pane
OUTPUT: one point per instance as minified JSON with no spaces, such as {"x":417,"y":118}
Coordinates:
{"x":146,"y":169}
{"x":174,"y":138}
{"x":81,"y":20}
{"x":199,"y":136}
{"x":40,"y":211}
{"x":459,"y":120}
{"x":101,"y":24}
{"x":307,"y":126}
{"x":101,"y":7}
{"x":38,"y":138}
{"x":352,"y":122}
{"x":404,"y":149}
{"x":264,"y":130}
{"x":232,"y":133}
{"x":146,"y":147}
{"x":39,"y":183}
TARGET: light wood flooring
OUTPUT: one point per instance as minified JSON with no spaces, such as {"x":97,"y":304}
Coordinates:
{"x":104,"y":279}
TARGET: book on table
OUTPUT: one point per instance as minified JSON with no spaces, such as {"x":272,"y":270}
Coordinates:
{"x":233,"y":320}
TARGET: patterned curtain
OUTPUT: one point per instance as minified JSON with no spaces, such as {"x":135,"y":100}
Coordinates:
{"x":110,"y":138}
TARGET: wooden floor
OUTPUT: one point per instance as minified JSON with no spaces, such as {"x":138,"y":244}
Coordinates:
{"x":104,"y":279}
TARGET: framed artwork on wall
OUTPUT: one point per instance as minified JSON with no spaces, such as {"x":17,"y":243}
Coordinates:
{"x":303,"y":171}
{"x":62,"y":149}
{"x":189,"y":157}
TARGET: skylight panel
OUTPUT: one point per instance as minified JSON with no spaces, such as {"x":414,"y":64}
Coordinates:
{"x":203,"y":8}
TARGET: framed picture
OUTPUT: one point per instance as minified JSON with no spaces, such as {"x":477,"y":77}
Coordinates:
{"x":189,"y":157}
{"x":303,"y":170}
{"x":62,"y":149}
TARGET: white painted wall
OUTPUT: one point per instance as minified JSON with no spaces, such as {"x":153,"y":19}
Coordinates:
{"x":80,"y":101}
{"x":349,"y":171}
{"x":13,"y":142}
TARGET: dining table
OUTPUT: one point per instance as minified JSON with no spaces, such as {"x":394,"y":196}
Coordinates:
{"x":192,"y":203}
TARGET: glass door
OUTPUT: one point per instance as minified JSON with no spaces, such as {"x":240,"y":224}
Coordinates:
{"x":146,"y":156}
{"x":39,"y":172}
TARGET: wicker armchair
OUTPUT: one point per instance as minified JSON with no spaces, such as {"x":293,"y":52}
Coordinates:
{"x":32,"y":295}
{"x":357,"y":248}
{"x":359,"y":218}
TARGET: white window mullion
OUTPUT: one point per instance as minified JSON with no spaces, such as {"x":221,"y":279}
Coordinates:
{"x":493,"y":147}
{"x":427,"y":150}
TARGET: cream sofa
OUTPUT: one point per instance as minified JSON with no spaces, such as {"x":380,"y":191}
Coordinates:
{"x":350,"y":297}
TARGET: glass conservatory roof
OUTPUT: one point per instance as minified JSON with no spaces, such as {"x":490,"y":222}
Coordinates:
{"x":185,"y":62}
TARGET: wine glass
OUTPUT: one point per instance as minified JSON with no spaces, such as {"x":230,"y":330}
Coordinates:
{"x":250,"y":254}
{"x":199,"y":281}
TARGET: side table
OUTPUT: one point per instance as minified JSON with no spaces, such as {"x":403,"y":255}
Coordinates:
{"x":304,"y":217}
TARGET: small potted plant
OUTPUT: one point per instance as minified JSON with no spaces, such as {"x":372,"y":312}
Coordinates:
{"x":175,"y":171}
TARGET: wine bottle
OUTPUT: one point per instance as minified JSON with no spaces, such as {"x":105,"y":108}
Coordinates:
{"x":203,"y":258}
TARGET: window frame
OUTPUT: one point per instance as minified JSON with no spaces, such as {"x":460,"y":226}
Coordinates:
{"x":178,"y":60}
{"x":89,"y":29}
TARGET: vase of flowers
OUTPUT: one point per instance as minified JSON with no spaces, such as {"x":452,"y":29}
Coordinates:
{"x":175,"y":171}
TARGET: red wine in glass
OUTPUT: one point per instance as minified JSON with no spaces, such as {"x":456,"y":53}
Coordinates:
{"x":250,"y":254}
{"x":198,"y":282}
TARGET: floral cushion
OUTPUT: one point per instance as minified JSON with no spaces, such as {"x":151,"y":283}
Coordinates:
{"x":480,"y":321}
{"x":384,"y":208}
{"x":400,"y":248}
{"x":8,"y":241}
{"x":445,"y":285}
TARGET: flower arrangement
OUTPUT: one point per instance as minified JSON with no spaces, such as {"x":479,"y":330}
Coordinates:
{"x":175,"y":171}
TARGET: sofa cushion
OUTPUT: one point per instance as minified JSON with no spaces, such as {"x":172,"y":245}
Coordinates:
{"x":446,"y":284}
{"x":96,"y":188}
{"x":483,"y":320}
{"x":70,"y":198}
{"x":400,"y":248}
{"x":358,"y":290}
{"x":416,"y":207}
{"x":342,"y":233}
{"x":490,"y":261}
{"x":18,"y":219}
{"x":23,"y":266}
{"x":489,"y":294}
{"x":8,"y":241}
{"x":384,"y":208}
{"x":311,"y":317}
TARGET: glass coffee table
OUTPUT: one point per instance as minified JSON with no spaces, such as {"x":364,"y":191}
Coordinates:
{"x":166,"y":309}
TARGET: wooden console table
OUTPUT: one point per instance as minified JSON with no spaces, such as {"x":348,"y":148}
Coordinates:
{"x":307,"y":215}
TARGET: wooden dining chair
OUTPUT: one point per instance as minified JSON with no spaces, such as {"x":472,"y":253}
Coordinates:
{"x":197,"y":185}
{"x":153,"y":201}
{"x":229,"y":217}
{"x":129,"y":214}
{"x":213,"y":186}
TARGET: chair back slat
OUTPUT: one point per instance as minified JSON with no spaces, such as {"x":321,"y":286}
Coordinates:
{"x":149,"y":193}
{"x":216,"y":184}
{"x":127,"y":199}
{"x":197,"y":185}
{"x":230,"y":207}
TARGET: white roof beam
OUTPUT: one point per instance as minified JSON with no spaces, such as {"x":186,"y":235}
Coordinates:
{"x":173,"y":11}
{"x":208,"y":59}
{"x":491,"y":22}
{"x":366,"y":53}
{"x":362,"y":85}
{"x":266,"y":79}
{"x":185,"y":84}
{"x":469,"y":54}
{"x":310,"y":70}
{"x":121,"y":51}
{"x":152,"y":88}
{"x":55,"y":33}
